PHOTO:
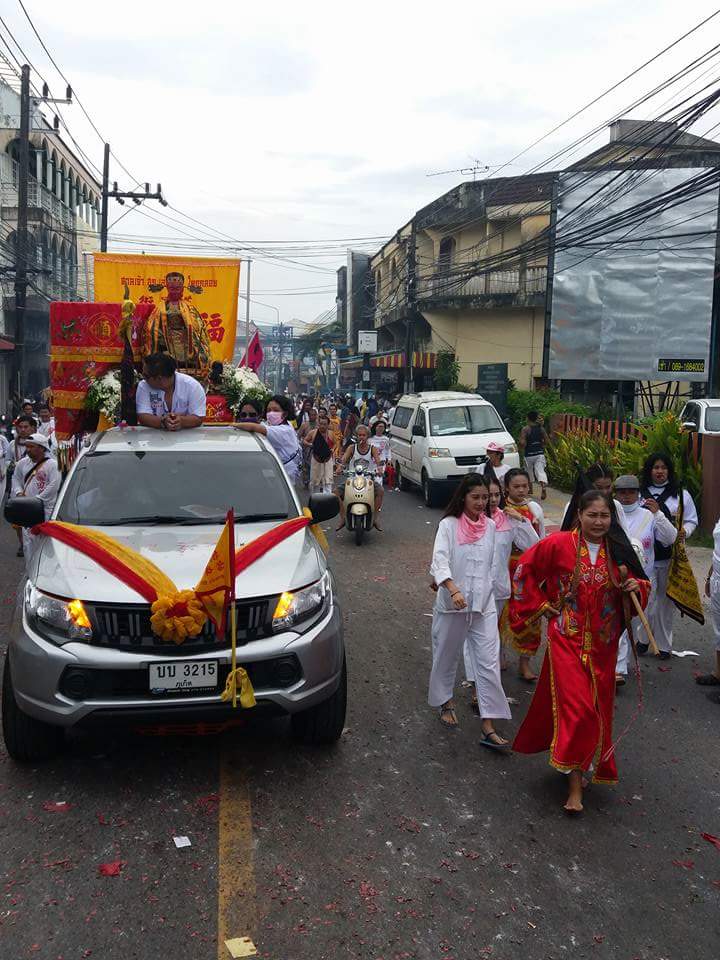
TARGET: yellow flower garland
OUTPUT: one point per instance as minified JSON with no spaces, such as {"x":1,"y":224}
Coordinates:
{"x":177,"y":616}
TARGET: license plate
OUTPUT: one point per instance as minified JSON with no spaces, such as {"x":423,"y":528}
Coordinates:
{"x":183,"y":675}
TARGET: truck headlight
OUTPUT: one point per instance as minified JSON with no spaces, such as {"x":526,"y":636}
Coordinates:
{"x":302,"y":605}
{"x":510,"y":448}
{"x":67,"y":619}
{"x":439,"y":452}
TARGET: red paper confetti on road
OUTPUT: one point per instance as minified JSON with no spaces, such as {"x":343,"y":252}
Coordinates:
{"x":111,"y":869}
{"x":685,"y":864}
{"x":61,"y":806}
{"x":711,"y":839}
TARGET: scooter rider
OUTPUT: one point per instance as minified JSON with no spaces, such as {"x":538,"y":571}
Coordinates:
{"x":361,"y":452}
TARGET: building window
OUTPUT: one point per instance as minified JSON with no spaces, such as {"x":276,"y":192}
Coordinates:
{"x":447,"y":253}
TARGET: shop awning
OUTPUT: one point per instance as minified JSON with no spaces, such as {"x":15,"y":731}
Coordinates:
{"x":394,"y":360}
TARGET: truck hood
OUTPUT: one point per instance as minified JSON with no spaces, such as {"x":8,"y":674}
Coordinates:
{"x":182,"y":554}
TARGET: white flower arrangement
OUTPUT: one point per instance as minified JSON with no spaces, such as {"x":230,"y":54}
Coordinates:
{"x":240,"y":383}
{"x":104,"y":395}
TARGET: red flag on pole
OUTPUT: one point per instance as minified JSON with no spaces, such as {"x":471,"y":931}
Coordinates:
{"x":253,"y":355}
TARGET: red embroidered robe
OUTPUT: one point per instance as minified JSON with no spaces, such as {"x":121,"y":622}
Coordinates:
{"x":571,"y":713}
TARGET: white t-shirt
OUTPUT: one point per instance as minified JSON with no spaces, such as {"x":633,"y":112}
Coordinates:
{"x":188,"y":398}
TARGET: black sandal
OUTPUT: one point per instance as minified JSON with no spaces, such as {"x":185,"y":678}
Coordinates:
{"x":486,"y":741}
{"x":708,"y":680}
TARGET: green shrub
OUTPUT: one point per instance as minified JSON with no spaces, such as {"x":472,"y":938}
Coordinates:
{"x":663,"y":435}
{"x":446,"y":371}
{"x":546,"y":402}
{"x":569,"y":452}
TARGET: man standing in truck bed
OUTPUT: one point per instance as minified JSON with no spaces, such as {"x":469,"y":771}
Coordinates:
{"x":532,"y":444}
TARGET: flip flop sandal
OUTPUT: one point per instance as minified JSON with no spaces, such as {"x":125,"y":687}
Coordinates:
{"x":486,"y":741}
{"x":475,"y":707}
{"x":449,"y":711}
{"x":708,"y":680}
{"x":529,"y":680}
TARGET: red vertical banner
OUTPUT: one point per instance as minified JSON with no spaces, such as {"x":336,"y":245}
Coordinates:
{"x":84,"y":345}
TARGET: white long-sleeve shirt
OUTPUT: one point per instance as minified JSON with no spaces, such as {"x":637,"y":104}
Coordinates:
{"x":646,"y":527}
{"x":43,"y":484}
{"x":523,"y":535}
{"x":690,"y":517}
{"x":469,"y":565}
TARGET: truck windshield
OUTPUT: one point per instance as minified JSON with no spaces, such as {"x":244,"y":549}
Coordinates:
{"x":454,"y":421}
{"x":111,"y":488}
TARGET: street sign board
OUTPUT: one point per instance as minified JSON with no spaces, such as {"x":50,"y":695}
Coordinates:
{"x":492,"y":385}
{"x":367,"y":341}
{"x":366,"y":376}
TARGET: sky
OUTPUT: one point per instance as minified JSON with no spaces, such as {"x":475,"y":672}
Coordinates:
{"x":321,"y":122}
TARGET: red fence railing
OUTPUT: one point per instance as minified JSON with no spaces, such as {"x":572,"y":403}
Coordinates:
{"x":614,"y":430}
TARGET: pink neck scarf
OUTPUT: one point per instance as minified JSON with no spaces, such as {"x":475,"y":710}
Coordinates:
{"x":501,"y":519}
{"x":468,"y":531}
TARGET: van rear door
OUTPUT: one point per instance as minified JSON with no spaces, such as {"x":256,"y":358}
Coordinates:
{"x":401,"y":436}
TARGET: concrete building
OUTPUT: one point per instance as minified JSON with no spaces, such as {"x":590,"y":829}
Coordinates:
{"x":63,"y":221}
{"x":469,"y":273}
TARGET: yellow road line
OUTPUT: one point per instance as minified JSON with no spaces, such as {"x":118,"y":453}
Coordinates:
{"x":236,"y":873}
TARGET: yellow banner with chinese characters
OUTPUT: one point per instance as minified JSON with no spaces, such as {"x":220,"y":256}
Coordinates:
{"x":211,"y":286}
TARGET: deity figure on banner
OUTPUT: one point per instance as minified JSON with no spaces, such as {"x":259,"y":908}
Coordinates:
{"x":175,"y":326}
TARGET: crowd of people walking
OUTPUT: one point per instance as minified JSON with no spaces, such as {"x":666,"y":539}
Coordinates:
{"x":502,"y":582}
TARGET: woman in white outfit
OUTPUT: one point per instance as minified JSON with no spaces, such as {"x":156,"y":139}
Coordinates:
{"x":462,"y":569}
{"x":659,"y":487}
{"x":644,"y":525}
{"x":511,"y":530}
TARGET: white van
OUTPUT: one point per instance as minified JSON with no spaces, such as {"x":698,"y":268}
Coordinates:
{"x":439,"y":436}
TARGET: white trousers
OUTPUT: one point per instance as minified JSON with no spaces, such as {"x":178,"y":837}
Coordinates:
{"x":469,"y":675}
{"x":624,"y":652}
{"x":321,"y":476}
{"x":449,"y":632}
{"x":536,"y":468}
{"x":715,"y":607}
{"x":660,"y":611}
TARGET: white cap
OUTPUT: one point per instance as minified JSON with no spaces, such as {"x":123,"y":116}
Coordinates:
{"x":39,"y":439}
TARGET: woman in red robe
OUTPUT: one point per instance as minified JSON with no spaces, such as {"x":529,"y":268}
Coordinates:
{"x":578,"y":580}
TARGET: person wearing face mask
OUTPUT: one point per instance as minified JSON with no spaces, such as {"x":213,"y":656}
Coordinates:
{"x":464,"y":612}
{"x":645,"y":527}
{"x":513,"y":531}
{"x":662,"y":492}
{"x":281,"y":435}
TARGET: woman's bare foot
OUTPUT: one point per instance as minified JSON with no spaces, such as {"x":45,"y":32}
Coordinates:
{"x":524,"y":670}
{"x":574,"y":803}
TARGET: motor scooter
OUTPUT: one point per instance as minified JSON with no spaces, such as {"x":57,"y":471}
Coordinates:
{"x":359,"y":502}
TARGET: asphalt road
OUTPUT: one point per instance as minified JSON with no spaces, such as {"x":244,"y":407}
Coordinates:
{"x":405,"y":841}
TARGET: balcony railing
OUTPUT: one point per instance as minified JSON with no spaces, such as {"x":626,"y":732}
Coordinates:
{"x":39,"y":197}
{"x":519,"y":282}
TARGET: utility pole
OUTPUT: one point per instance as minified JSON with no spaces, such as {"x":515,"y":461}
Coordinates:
{"x":21,"y":235}
{"x":247,"y":316}
{"x":137,"y":196}
{"x":410,"y":299}
{"x":104,"y":208}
